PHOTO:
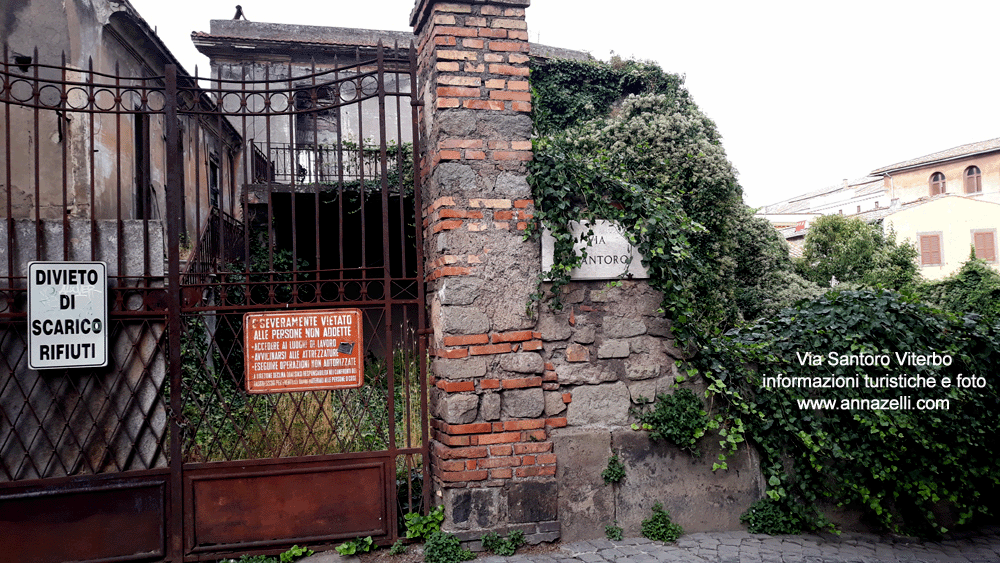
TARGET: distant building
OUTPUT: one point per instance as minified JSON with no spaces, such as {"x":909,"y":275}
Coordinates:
{"x":944,"y":203}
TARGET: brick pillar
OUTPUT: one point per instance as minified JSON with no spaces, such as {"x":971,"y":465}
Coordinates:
{"x":492,"y":459}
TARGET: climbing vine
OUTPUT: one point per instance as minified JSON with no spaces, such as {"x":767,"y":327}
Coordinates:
{"x":624,"y":142}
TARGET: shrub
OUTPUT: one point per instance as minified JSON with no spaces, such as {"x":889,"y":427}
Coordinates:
{"x":614,"y":532}
{"x":503,"y":546}
{"x":442,"y":547}
{"x":679,"y":418}
{"x":420,"y":526}
{"x":658,"y":527}
{"x":614,"y":472}
{"x":767,"y":516}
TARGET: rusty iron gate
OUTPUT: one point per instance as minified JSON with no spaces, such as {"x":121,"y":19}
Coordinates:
{"x":264,"y":188}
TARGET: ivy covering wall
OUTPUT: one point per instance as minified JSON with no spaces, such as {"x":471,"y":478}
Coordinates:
{"x":624,"y":141}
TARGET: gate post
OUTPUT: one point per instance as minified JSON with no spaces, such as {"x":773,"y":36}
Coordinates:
{"x":491,"y":454}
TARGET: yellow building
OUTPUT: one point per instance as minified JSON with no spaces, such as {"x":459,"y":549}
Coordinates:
{"x":946,"y":229}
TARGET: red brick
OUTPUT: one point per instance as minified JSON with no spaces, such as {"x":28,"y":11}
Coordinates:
{"x":522,"y":382}
{"x":506,"y":46}
{"x":538,"y":435}
{"x":491,"y":349}
{"x":493,"y":33}
{"x":474,"y":428}
{"x":556,"y":422}
{"x":450,"y":155}
{"x":475,"y":155}
{"x":509,"y":24}
{"x":443,"y":19}
{"x":460,"y":144}
{"x":521,"y":145}
{"x":514,"y":12}
{"x":453,"y":465}
{"x":518,"y":58}
{"x":533,"y":448}
{"x":526,"y":460}
{"x":466,"y":340}
{"x":524,"y":204}
{"x":451,"y":354}
{"x":494,"y":462}
{"x":514,"y":336}
{"x":503,"y":215}
{"x":448,"y":41}
{"x":546,"y":459}
{"x":498,"y":427}
{"x":461,"y":453}
{"x":448,"y":67}
{"x":521,"y":106}
{"x":457,"y":55}
{"x":460,"y":92}
{"x":489,"y":384}
{"x":473,"y":43}
{"x":494,"y":57}
{"x":504,"y":473}
{"x":459,"y":31}
{"x":447,"y":102}
{"x":456,"y":476}
{"x":491,"y":11}
{"x":535,"y":471}
{"x":531,"y":345}
{"x":470,"y":67}
{"x":567,"y":398}
{"x":523,"y":424}
{"x":498,"y":438}
{"x":470,"y":464}
{"x":548,"y":365}
{"x":495,"y":105}
{"x":446,"y":226}
{"x":518,"y":34}
{"x":476,"y":22}
{"x":456,"y":386}
{"x":510,"y":155}
{"x":452,"y":440}
{"x":507,"y":95}
{"x":508,"y":70}
{"x":501,"y":450}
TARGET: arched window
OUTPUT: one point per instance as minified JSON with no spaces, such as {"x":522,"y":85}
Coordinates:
{"x":937,"y":183}
{"x":973,"y":180}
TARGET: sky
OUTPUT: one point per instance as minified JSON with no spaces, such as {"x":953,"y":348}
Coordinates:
{"x":805,"y":94}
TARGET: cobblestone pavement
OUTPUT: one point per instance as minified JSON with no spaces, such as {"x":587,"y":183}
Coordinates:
{"x":741,"y":547}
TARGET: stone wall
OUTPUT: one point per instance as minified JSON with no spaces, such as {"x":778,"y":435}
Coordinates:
{"x":609,"y":352}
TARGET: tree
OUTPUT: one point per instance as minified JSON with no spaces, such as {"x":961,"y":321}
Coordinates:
{"x":851,"y":250}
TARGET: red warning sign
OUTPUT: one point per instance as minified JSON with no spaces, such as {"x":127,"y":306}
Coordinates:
{"x":303,"y":351}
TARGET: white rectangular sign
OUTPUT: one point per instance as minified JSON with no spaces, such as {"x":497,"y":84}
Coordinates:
{"x":67,"y":314}
{"x":609,"y":255}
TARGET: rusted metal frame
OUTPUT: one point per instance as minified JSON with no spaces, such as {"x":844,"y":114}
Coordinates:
{"x":91,"y":97}
{"x":387,"y":280}
{"x":270,"y":199}
{"x":421,"y":313}
{"x":121,"y":429}
{"x":137,"y":181}
{"x":11,"y":234}
{"x":64,"y":141}
{"x":158,"y":397}
{"x":292,"y":109}
{"x":247,"y":177}
{"x":53,"y":452}
{"x":340,"y":172}
{"x":195,"y":237}
{"x":27,"y":460}
{"x":176,"y":517}
{"x":317,"y":305}
{"x":120,"y":228}
{"x":361,"y":162}
{"x":39,"y":228}
{"x":317,"y":177}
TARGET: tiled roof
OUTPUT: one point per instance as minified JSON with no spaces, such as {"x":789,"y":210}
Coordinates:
{"x":805,"y":203}
{"x":956,"y":152}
